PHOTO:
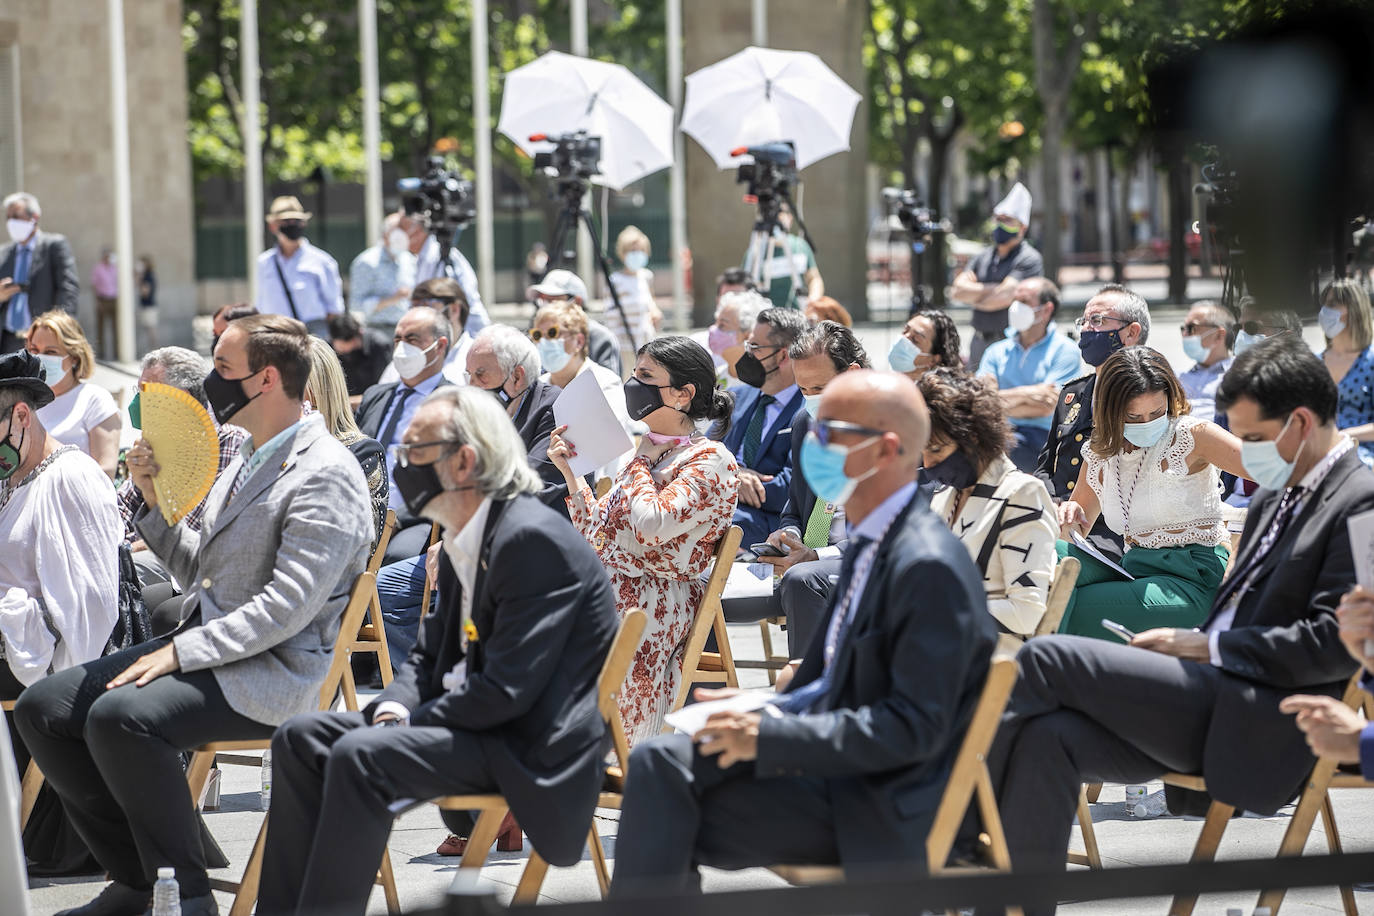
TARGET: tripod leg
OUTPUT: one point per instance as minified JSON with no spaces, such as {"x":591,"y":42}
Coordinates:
{"x":606,"y":273}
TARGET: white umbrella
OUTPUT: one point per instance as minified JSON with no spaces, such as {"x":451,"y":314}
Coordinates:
{"x":761,"y":94}
{"x":560,"y":93}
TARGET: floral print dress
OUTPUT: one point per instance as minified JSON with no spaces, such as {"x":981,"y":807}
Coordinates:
{"x":656,"y":530}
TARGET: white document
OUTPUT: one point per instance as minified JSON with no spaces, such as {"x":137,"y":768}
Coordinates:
{"x":1361,"y":528}
{"x":592,"y":426}
{"x":691,"y":719}
{"x":749,"y":580}
{"x":1081,"y":543}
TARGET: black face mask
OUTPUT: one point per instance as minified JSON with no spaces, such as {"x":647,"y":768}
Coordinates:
{"x":501,"y":395}
{"x":955,"y":471}
{"x":419,"y":484}
{"x":1096,"y":346}
{"x":292,"y":231}
{"x":749,"y":370}
{"x":641,"y":398}
{"x":226,"y":395}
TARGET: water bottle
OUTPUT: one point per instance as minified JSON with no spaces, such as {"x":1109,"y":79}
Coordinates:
{"x":1235,"y":911}
{"x":166,"y":894}
{"x":266,"y":795}
{"x":1263,"y":911}
{"x":1152,"y":805}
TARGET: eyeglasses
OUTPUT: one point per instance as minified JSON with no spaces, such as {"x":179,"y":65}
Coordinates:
{"x":824,"y":429}
{"x":1095,"y":322}
{"x":1193,"y":327}
{"x":537,"y":335}
{"x":400,"y":454}
{"x":435,"y":301}
{"x":753,"y":348}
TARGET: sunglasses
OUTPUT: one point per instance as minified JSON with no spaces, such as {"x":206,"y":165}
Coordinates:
{"x":824,"y":429}
{"x":537,"y":335}
{"x":1194,"y":327}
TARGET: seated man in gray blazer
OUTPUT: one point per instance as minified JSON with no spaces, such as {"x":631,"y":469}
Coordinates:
{"x":285,"y":532}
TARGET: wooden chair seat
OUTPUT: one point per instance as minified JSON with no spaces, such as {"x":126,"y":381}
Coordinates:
{"x":698,"y":665}
{"x":31,"y":783}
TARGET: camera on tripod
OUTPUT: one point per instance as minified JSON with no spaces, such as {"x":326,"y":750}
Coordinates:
{"x":1219,"y":188}
{"x":440,"y":198}
{"x":772,"y":174}
{"x":574,"y":155}
{"x":920,"y":222}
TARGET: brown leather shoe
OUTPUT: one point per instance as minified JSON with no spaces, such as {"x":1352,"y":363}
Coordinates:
{"x":508,"y":839}
{"x":453,"y":845}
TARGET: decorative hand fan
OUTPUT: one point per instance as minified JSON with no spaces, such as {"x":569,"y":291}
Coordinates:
{"x":185,"y":446}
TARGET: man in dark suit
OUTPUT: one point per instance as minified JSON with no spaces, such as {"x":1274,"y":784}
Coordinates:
{"x":37,"y":271}
{"x":886,"y":688}
{"x":499,"y":694}
{"x":421,"y":339}
{"x":760,"y":429}
{"x":1202,"y":701}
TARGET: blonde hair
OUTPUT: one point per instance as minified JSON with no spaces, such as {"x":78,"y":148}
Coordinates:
{"x":328,"y":392}
{"x":68,"y":333}
{"x":569,"y":317}
{"x":630,"y":236}
{"x":1358,"y":319}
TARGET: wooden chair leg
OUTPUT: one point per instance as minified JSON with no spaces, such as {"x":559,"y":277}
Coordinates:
{"x":247,"y":894}
{"x":766,"y":632}
{"x":28,"y":793}
{"x":482,"y":837}
{"x":603,"y":871}
{"x":1093,"y":791}
{"x":387,"y":879}
{"x":727,"y":656}
{"x":1218,"y":816}
{"x":1333,"y":845}
{"x":1090,"y":855}
{"x":198,"y":772}
{"x":992,"y":819}
{"x":349,"y":688}
{"x":1300,"y":826}
{"x":374,"y":613}
{"x":531,"y":879}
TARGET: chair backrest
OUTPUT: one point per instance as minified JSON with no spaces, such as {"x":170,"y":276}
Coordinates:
{"x":1057,"y":598}
{"x":709,"y":613}
{"x":358,"y":600}
{"x":612,"y":678}
{"x":970,"y":764}
{"x":389,"y":527}
{"x":603,"y":486}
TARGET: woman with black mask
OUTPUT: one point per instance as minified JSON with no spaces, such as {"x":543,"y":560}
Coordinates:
{"x":657,"y":527}
{"x":1004,"y":517}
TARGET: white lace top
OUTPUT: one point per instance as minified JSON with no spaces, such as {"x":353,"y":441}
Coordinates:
{"x":1148,"y":496}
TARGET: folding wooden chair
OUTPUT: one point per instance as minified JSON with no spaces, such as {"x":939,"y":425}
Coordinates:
{"x":493,"y":807}
{"x":1057,"y":598}
{"x":698,"y":665}
{"x":771,"y":662}
{"x":969,"y":782}
{"x":31,"y":783}
{"x":371,"y":636}
{"x":430,"y":584}
{"x":245,"y":891}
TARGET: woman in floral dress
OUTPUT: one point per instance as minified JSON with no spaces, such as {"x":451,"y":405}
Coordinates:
{"x":657,"y":528}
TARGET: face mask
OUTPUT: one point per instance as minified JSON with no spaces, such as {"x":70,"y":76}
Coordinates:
{"x":9,"y":452}
{"x":902,"y":355}
{"x":499,"y":392}
{"x":1245,"y":341}
{"x":1193,"y":348}
{"x":719,"y":341}
{"x":823,"y":467}
{"x":1264,"y":465}
{"x":136,"y":411}
{"x":52,"y":367}
{"x":749,"y":370}
{"x":1002,"y":234}
{"x":1096,"y":346}
{"x":1331,"y":321}
{"x":1020,"y":316}
{"x":226,"y":395}
{"x":1144,"y":435}
{"x":292,"y":231}
{"x":642,"y":399}
{"x":409,"y":359}
{"x":397,"y":242}
{"x":811,"y":403}
{"x":552,"y":354}
{"x":660,"y":439}
{"x":419,"y":484}
{"x":955,"y":471}
{"x":636,"y":260}
{"x":19,"y":229}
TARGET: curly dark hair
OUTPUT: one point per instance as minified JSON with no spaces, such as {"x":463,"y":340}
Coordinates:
{"x":966,"y":411}
{"x":945,"y":342}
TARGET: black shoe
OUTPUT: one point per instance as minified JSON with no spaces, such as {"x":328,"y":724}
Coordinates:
{"x":115,"y":900}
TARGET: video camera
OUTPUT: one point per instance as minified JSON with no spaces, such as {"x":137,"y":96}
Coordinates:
{"x":919,"y":221}
{"x":440,"y":198}
{"x":574,"y":155}
{"x":771,"y":175}
{"x":1220,"y":187}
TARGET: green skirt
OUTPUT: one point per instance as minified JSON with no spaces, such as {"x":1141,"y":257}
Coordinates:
{"x":1173,"y":587}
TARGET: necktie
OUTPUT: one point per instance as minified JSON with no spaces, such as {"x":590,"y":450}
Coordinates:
{"x":753,"y":433}
{"x":817,"y":532}
{"x":1292,"y":498}
{"x":18,"y":317}
{"x":398,"y":408}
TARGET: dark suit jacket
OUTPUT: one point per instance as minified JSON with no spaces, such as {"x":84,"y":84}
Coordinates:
{"x":800,"y":497}
{"x":545,"y":615}
{"x":1284,"y":640}
{"x":52,"y":274}
{"x":373,"y":407}
{"x":534,"y":421}
{"x":1070,"y":428}
{"x":906,"y":679}
{"x":775,"y":444}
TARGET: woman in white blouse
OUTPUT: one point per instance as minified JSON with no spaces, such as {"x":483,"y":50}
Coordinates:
{"x":81,"y":414}
{"x":1004,"y":517}
{"x":1150,"y":470}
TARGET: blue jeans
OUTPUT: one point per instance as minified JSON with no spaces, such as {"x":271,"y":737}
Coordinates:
{"x":1029,"y":442}
{"x":400,"y":589}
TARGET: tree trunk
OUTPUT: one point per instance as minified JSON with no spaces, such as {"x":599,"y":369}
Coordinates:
{"x":1176,"y":167}
{"x":934,"y":267}
{"x":1051,"y":150}
{"x":1126,"y":228}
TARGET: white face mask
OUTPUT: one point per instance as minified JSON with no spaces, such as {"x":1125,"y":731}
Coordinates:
{"x":409,"y":359}
{"x":19,"y":229}
{"x":1020,"y":316}
{"x":1330,"y":320}
{"x":397,"y":242}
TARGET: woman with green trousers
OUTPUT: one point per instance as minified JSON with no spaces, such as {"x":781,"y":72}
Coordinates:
{"x":1151,"y":471}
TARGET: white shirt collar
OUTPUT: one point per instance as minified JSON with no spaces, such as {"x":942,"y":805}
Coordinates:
{"x":1313,"y":478}
{"x":465,"y":547}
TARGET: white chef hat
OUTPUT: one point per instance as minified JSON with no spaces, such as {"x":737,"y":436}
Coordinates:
{"x":1017,"y":204}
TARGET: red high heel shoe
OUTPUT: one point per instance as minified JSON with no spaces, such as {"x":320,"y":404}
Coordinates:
{"x":508,"y":839}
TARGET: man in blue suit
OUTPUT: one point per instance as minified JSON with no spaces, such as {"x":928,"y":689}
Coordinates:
{"x":760,"y":435}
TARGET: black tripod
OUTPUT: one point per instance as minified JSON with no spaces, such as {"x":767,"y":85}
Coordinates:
{"x":572,"y":190}
{"x":763,"y":240}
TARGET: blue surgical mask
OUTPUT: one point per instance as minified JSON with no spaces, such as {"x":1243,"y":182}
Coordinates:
{"x":1144,"y":435}
{"x":552,"y":354}
{"x":1264,"y":465}
{"x":1245,"y":341}
{"x":636,"y":260}
{"x":1331,"y":321}
{"x":811,"y":403}
{"x":902,"y":356}
{"x":823,"y":467}
{"x":52,"y":367}
{"x":1193,"y":348}
{"x":1096,"y":346}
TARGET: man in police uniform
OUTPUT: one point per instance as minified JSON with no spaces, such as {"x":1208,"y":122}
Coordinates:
{"x":1114,"y":318}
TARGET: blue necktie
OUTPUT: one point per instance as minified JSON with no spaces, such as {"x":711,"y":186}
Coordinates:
{"x":17,"y":318}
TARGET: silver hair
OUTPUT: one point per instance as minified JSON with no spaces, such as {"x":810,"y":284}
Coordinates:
{"x":30,"y":202}
{"x":182,"y":368}
{"x":475,"y":418}
{"x":749,"y":302}
{"x":511,"y":349}
{"x":439,"y":325}
{"x":1130,"y":307}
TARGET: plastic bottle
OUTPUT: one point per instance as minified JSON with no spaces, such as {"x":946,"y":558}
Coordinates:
{"x":266,"y":796}
{"x":1153,"y":805}
{"x":1263,"y":911}
{"x":1235,"y":911}
{"x":166,"y":893}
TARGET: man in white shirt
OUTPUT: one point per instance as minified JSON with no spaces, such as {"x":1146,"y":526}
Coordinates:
{"x":294,"y":277}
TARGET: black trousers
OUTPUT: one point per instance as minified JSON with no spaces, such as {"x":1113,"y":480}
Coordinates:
{"x":113,"y":756}
{"x":337,"y":785}
{"x":1086,"y":710}
{"x":682,"y":810}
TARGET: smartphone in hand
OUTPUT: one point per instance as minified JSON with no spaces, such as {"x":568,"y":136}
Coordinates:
{"x":765,"y":549}
{"x":1117,"y":630}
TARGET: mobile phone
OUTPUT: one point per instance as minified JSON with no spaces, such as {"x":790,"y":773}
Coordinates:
{"x":1116,"y":629}
{"x":765,"y":549}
